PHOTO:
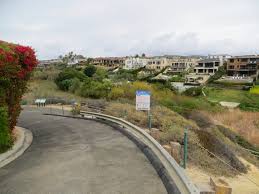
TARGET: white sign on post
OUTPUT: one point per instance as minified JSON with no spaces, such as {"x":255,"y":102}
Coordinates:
{"x":142,"y":100}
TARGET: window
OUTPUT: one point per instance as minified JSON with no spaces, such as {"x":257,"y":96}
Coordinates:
{"x":231,"y":60}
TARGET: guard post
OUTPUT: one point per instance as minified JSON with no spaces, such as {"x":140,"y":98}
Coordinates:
{"x":185,"y":148}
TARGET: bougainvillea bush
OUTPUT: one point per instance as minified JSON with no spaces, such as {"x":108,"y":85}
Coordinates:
{"x":16,"y":64}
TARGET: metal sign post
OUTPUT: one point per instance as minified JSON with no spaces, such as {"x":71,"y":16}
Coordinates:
{"x":143,"y":103}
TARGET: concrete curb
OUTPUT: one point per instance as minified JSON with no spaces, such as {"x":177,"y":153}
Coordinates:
{"x":18,"y":148}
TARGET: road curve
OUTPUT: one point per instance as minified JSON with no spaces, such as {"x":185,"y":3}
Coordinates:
{"x":77,"y":156}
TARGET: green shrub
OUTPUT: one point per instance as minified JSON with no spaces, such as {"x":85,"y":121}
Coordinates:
{"x":75,"y":85}
{"x":5,"y":137}
{"x":94,"y":89}
{"x":194,"y":91}
{"x":90,"y":70}
{"x":221,"y":71}
{"x":100,"y":74}
{"x":64,"y":78}
{"x":76,"y":109}
{"x":116,"y":93}
{"x":254,"y":90}
{"x":177,"y":78}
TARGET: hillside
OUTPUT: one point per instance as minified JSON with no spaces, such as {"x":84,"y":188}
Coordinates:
{"x":217,"y":137}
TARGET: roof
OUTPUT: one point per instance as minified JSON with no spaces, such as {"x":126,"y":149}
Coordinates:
{"x":245,"y":57}
{"x":109,"y":58}
{"x":208,"y":60}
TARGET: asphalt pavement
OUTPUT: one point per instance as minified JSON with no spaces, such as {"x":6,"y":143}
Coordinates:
{"x":77,"y":156}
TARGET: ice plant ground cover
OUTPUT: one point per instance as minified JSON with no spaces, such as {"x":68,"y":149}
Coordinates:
{"x":16,"y":64}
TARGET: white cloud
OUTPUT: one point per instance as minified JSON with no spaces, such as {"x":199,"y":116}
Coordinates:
{"x":127,"y":27}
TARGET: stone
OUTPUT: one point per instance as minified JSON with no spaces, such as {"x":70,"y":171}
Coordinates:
{"x":155,"y":133}
{"x":220,"y":186}
{"x":167,"y":148}
{"x":176,"y":151}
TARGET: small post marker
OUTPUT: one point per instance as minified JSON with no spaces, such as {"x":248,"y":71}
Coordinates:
{"x":62,"y":110}
{"x":149,"y":120}
{"x":185,"y":140}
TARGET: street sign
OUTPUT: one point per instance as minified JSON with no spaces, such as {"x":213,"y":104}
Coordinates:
{"x":142,"y":100}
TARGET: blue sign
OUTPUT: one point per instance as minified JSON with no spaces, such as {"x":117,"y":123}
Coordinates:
{"x":143,"y":93}
{"x":142,"y":100}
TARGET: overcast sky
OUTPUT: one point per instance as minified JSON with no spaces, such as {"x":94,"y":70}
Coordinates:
{"x":127,"y":27}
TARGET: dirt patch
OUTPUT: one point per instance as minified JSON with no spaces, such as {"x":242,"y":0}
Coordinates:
{"x":240,"y":184}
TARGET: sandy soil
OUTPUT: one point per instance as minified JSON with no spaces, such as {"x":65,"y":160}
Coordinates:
{"x":239,"y":184}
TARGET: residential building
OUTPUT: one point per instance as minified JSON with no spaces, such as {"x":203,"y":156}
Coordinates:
{"x":243,"y":66}
{"x":47,"y":63}
{"x":207,"y":66}
{"x":222,"y":57}
{"x":157,"y":63}
{"x":109,"y":62}
{"x":182,"y":63}
{"x":135,"y":62}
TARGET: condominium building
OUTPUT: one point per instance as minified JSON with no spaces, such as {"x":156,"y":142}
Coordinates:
{"x":243,"y":66}
{"x":47,"y":63}
{"x":182,"y":63}
{"x":207,"y":66}
{"x":222,"y":57}
{"x":157,"y":63}
{"x":109,"y":61}
{"x":135,"y":62}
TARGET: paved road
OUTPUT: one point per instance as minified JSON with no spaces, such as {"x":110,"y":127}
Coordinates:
{"x":77,"y":156}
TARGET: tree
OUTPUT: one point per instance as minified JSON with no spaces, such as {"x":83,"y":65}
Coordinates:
{"x":65,"y":78}
{"x":69,"y":57}
{"x":100,"y":74}
{"x":143,"y":55}
{"x":90,"y":70}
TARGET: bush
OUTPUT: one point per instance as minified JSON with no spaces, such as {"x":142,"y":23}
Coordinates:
{"x":116,"y":93}
{"x":74,"y":85}
{"x":100,"y":74}
{"x":76,"y":109}
{"x":5,"y":137}
{"x":16,"y":65}
{"x":94,"y":89}
{"x":90,"y":70}
{"x":221,"y":71}
{"x":194,"y":91}
{"x":64,"y":79}
{"x":46,"y":74}
{"x":254,"y":90}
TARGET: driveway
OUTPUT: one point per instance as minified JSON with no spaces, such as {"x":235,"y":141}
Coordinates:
{"x":77,"y":156}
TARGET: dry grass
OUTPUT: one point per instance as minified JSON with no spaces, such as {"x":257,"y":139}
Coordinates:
{"x":171,"y":126}
{"x":244,"y":123}
{"x":162,"y":117}
{"x":46,"y":89}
